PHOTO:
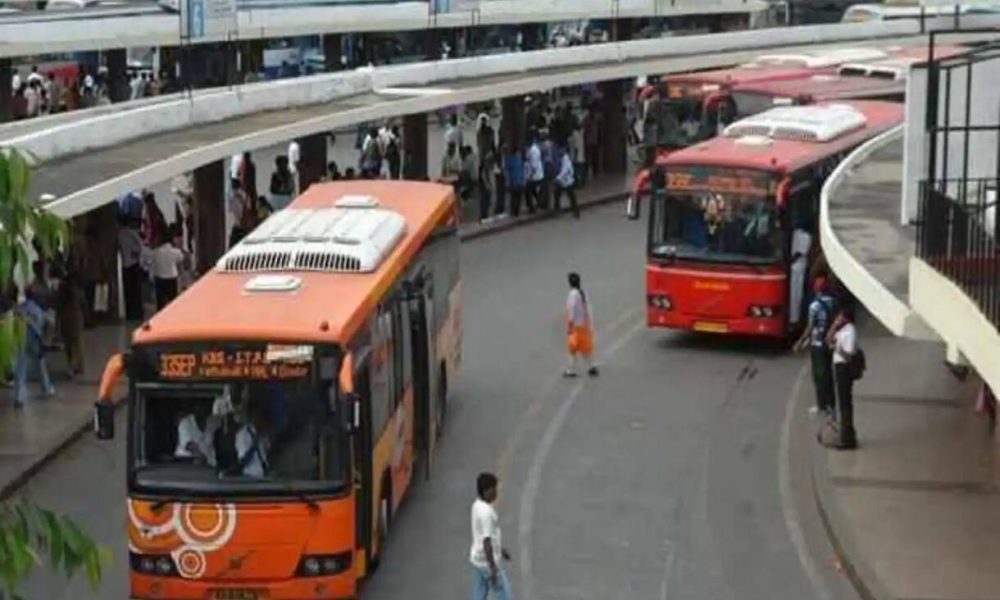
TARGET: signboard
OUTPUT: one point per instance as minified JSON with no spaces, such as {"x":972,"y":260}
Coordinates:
{"x":723,"y":181}
{"x":273,"y":361}
{"x":201,"y":18}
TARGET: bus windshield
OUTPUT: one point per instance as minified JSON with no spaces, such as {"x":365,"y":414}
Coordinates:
{"x":733,"y":223}
{"x":273,"y":432}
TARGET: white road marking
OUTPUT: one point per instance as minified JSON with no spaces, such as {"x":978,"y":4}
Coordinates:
{"x":529,"y":495}
{"x":791,"y":514}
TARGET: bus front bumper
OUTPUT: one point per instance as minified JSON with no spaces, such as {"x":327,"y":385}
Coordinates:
{"x":773,"y":327}
{"x":334,"y":587}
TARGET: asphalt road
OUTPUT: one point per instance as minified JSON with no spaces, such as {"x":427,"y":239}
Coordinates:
{"x":664,"y":478}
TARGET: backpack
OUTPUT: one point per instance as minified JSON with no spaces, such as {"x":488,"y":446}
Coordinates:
{"x":857,"y":364}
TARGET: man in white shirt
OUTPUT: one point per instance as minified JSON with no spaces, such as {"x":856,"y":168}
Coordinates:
{"x":565,"y":182}
{"x":167,"y":259}
{"x":487,"y":544}
{"x":843,"y":339}
{"x":536,"y":172}
{"x":195,"y":435}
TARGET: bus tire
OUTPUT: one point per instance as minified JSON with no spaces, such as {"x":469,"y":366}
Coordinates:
{"x":442,"y":399}
{"x":382,"y":524}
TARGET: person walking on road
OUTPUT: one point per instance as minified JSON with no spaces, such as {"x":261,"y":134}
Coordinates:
{"x":487,"y":545}
{"x":535,"y":173}
{"x":848,"y":363}
{"x":565,"y":182}
{"x":579,"y":329}
{"x":821,"y":313}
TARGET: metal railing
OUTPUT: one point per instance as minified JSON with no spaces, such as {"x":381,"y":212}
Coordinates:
{"x":958,"y":233}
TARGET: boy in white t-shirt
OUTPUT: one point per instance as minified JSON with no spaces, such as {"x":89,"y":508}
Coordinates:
{"x":487,"y":545}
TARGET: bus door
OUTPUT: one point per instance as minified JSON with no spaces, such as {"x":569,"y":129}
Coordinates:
{"x":421,"y":326}
{"x":362,"y":452}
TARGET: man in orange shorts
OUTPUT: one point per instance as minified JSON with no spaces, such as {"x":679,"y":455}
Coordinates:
{"x":579,"y":329}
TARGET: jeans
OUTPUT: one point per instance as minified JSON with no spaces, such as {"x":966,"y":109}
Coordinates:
{"x":822,"y":372}
{"x":481,"y":585}
{"x":845,"y":404}
{"x":31,"y":355}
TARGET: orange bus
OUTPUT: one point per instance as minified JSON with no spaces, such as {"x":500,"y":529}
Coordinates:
{"x":733,"y":226}
{"x":279,"y":408}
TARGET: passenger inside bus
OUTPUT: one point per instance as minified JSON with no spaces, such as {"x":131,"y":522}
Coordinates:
{"x":271,"y":430}
{"x":720,"y":227}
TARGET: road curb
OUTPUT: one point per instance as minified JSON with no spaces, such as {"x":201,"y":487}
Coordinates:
{"x":862,"y":577}
{"x":11,"y":487}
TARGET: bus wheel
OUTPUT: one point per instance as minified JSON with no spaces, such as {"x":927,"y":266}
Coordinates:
{"x":442,"y":400}
{"x":382,"y":524}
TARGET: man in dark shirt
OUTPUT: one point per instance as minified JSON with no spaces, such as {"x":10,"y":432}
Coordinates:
{"x":821,"y":312}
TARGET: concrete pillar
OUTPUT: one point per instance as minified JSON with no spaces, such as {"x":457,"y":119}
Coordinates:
{"x":621,"y":30}
{"x":614,"y":142}
{"x":512,"y":122}
{"x":209,"y":214}
{"x":432,"y":44}
{"x":312,"y":164}
{"x":6,"y":74}
{"x":333,"y":51}
{"x":118,"y":88}
{"x":251,"y":58}
{"x":415,"y":147}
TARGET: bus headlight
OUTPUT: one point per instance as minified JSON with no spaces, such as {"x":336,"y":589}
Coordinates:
{"x":660,"y":301}
{"x":316,"y":565}
{"x":153,"y":564}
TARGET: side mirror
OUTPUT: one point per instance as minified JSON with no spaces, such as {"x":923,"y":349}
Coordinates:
{"x":350,"y":412}
{"x":104,"y":420}
{"x":633,"y":207}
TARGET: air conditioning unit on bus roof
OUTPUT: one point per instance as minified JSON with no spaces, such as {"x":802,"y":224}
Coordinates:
{"x":333,"y":240}
{"x":891,"y":70}
{"x":814,"y":123}
{"x":820,"y":59}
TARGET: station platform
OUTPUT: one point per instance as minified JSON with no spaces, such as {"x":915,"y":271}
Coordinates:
{"x":913,"y":513}
{"x":33,"y":435}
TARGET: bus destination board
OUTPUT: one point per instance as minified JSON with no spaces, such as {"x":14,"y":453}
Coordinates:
{"x":273,"y":362}
{"x":721,"y":181}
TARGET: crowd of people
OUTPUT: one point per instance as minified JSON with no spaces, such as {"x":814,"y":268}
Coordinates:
{"x":42,"y":93}
{"x":560,"y":153}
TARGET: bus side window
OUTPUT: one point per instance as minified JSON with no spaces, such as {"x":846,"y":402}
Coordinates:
{"x":401,"y":358}
{"x":381,"y":371}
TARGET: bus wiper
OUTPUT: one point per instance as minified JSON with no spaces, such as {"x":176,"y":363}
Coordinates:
{"x":309,"y":500}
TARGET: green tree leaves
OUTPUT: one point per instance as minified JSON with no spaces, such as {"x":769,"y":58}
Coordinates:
{"x":27,"y":533}
{"x":30,"y":535}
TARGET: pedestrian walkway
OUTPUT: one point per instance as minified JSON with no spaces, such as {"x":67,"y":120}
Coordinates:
{"x":32,"y":435}
{"x":915,"y":511}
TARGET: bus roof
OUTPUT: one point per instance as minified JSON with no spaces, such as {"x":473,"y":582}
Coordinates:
{"x":737,"y":75}
{"x":825,"y":87}
{"x":325,"y":306}
{"x":782,"y":154}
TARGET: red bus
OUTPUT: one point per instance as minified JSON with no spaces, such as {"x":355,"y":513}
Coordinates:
{"x":694,"y":107}
{"x":733,"y":221}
